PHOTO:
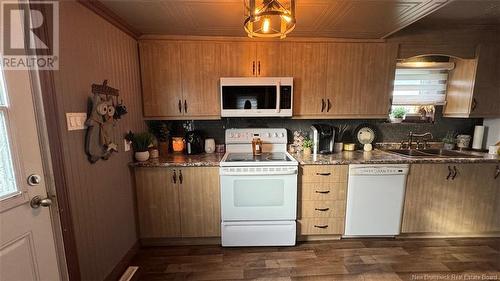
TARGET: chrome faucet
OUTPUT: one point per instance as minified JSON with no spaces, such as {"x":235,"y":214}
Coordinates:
{"x":411,"y":135}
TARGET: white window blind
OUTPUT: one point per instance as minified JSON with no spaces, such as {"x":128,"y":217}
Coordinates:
{"x":420,"y":86}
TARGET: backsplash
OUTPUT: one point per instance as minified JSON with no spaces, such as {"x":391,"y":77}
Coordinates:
{"x":388,"y":132}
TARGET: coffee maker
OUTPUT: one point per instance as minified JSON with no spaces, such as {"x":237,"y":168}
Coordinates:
{"x":323,"y":136}
{"x":194,"y":142}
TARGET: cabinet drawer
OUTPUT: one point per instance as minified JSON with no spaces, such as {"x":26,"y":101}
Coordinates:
{"x":324,"y":173}
{"x":322,"y":191}
{"x":321,"y":209}
{"x":320,"y":226}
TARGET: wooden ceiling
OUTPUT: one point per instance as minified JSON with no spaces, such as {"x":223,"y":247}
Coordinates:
{"x":358,"y":19}
{"x":466,"y":12}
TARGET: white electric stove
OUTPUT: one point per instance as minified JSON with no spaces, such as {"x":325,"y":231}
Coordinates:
{"x":258,"y":193}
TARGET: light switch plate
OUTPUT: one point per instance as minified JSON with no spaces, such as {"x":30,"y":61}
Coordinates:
{"x":126,"y":145}
{"x":76,"y":120}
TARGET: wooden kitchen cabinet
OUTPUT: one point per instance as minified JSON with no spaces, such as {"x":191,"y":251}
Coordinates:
{"x":157,"y":202}
{"x":238,"y":59}
{"x":161,"y":79}
{"x":343,"y":80}
{"x":200,"y":79}
{"x":322,"y":199}
{"x":199,"y":198}
{"x":180,"y":79}
{"x":308,"y":67}
{"x":178,"y":202}
{"x":474,"y":85}
{"x":437,"y":203}
{"x":360,"y":79}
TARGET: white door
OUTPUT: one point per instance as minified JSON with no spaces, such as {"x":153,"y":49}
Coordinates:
{"x":27,"y":246}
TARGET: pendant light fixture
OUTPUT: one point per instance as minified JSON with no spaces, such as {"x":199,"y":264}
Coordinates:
{"x":269,"y":18}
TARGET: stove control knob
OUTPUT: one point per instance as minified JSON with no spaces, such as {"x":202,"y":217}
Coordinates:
{"x":282,"y":135}
{"x":231,"y":135}
{"x":238,"y":135}
{"x":276,"y":135}
{"x":268,"y":135}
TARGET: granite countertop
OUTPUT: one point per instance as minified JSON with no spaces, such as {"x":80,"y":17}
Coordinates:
{"x":346,"y":157}
{"x":183,"y":160}
{"x":380,"y":157}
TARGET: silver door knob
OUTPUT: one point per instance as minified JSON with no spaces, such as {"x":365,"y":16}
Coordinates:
{"x":34,"y":179}
{"x":37,"y":201}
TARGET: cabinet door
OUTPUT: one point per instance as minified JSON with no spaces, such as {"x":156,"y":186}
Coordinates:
{"x":486,"y":99}
{"x":466,"y":204}
{"x":360,"y":79}
{"x":308,"y":68}
{"x":157,"y":203}
{"x":481,"y":198}
{"x":161,"y":78}
{"x":200,"y":79}
{"x":238,"y":59}
{"x":271,"y":59}
{"x":430,"y":201}
{"x":460,"y":88}
{"x":200,"y":202}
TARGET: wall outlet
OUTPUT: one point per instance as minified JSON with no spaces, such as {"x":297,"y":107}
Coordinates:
{"x":76,"y":120}
{"x":126,"y":145}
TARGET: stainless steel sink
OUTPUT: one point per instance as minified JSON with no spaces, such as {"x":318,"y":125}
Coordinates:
{"x":423,"y":153}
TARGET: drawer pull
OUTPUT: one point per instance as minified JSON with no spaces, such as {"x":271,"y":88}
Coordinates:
{"x":323,"y":192}
{"x":323,"y":174}
{"x":322,"y":209}
{"x":321,"y":226}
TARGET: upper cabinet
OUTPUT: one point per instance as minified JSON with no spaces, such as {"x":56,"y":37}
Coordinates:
{"x":180,"y":79}
{"x":343,"y":80}
{"x":474,"y":85}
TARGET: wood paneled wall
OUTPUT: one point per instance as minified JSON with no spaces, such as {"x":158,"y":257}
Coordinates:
{"x":101,"y":194}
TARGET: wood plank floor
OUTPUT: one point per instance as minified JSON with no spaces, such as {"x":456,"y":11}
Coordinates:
{"x":367,"y":259}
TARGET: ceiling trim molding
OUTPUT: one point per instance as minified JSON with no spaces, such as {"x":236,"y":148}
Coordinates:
{"x":229,"y":38}
{"x":106,"y":13}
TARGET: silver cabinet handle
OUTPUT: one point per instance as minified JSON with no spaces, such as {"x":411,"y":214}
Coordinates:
{"x":323,"y":174}
{"x":180,"y":177}
{"x":322,"y":209}
{"x":174,"y":177}
{"x":37,"y":201}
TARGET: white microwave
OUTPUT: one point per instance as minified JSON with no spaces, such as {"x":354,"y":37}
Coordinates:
{"x":256,"y":96}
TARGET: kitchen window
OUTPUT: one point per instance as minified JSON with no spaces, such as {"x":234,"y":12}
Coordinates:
{"x":420,"y":86}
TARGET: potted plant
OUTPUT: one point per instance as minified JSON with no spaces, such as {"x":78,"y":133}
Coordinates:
{"x":339,"y":137}
{"x":398,"y":114}
{"x":307,"y":145}
{"x":141,"y":143}
{"x":161,"y":131}
{"x":449,"y":141}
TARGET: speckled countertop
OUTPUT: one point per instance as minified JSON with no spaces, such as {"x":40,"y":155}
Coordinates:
{"x":183,"y":160}
{"x":346,"y":157}
{"x":380,"y":157}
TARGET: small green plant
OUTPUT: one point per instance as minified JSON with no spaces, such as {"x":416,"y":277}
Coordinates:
{"x":399,"y":112}
{"x":449,"y":138}
{"x":142,"y":141}
{"x":308,"y":143}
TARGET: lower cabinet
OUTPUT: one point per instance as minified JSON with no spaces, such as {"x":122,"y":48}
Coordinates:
{"x":322,"y":199}
{"x":178,"y":202}
{"x":452,"y":198}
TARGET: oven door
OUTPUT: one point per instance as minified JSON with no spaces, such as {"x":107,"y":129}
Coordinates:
{"x":259,"y":197}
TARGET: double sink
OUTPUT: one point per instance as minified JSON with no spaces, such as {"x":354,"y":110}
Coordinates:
{"x":426,"y":153}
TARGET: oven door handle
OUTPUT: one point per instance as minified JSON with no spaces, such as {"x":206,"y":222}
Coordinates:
{"x":278,"y":96}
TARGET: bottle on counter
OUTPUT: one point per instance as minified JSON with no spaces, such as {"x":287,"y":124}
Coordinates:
{"x":257,"y":146}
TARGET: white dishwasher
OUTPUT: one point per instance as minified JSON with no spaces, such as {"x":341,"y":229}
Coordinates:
{"x":375,"y":199}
